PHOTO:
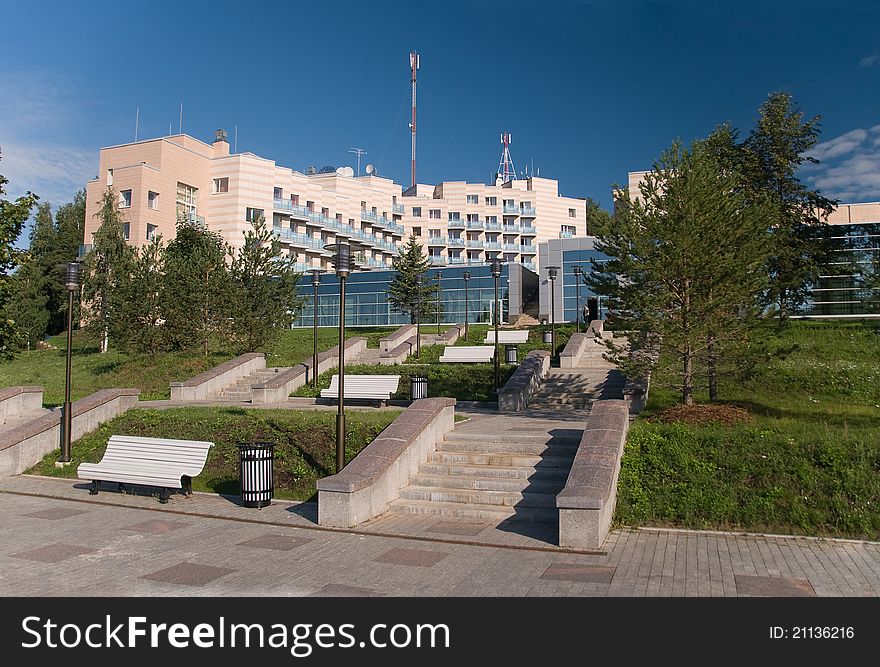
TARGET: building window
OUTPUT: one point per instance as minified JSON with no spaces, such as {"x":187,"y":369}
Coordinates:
{"x":109,"y":177}
{"x":126,"y":230}
{"x":325,"y":212}
{"x":187,"y":202}
{"x":294,"y":199}
{"x":434,"y":213}
{"x":151,"y":232}
{"x":525,"y":204}
{"x":572,"y":213}
{"x":310,"y":206}
{"x":569,"y":229}
{"x":454,"y":216}
{"x":153,"y":200}
{"x":221,"y":185}
{"x":278,"y":193}
{"x":339,"y":218}
{"x":417,"y":211}
{"x":492,"y":218}
{"x":508,"y":202}
{"x":417,"y":231}
{"x":125,"y":199}
{"x":473,"y":199}
{"x":253,"y":214}
{"x":491,"y":201}
{"x":433,"y":233}
{"x":473,"y":217}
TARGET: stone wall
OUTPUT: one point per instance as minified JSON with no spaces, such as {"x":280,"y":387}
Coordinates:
{"x":404,"y":333}
{"x":203,"y":385}
{"x":375,"y":476}
{"x":570,"y":357}
{"x":586,"y":504}
{"x":515,"y":394}
{"x":24,"y":446}
{"x":15,"y":400}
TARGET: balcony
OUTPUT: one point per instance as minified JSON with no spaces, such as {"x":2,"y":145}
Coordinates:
{"x":398,"y":208}
{"x":299,"y":267}
{"x":456,"y":224}
{"x":456,"y":260}
{"x":527,"y":212}
{"x":492,"y":245}
{"x":474,"y":224}
{"x":531,"y":266}
{"x":454,"y":241}
{"x":512,"y":247}
{"x":293,"y":238}
{"x":287,"y":205}
{"x":492,"y":226}
{"x":437,"y":260}
{"x":436,"y":240}
{"x":473,"y":243}
{"x":376,"y":263}
{"x":510,"y":210}
{"x":528,"y":230}
{"x":566,"y":235}
{"x":529,"y":249}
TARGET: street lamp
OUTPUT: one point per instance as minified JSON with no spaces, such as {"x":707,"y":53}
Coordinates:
{"x":316,"y":281}
{"x":72,"y":285}
{"x":552,"y":272}
{"x":438,"y":276}
{"x":342,"y":261}
{"x":577,"y":286}
{"x":418,"y":316}
{"x":496,"y":274}
{"x":466,"y":276}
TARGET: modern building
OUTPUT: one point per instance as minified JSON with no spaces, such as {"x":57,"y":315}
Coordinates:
{"x":160,"y":181}
{"x":569,"y":292}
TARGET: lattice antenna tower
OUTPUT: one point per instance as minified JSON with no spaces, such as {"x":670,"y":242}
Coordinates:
{"x":506,"y":170}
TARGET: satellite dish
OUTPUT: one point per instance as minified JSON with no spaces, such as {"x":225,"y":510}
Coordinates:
{"x":329,"y":169}
{"x":311,"y":170}
{"x":345,"y":171}
{"x":370,"y":170}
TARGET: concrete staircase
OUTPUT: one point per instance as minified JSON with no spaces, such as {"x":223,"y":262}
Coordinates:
{"x":241,"y":389}
{"x":492,"y":477}
{"x":577,"y":388}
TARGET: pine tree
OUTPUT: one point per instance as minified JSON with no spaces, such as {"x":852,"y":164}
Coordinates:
{"x":70,"y":223}
{"x":411,"y":291}
{"x":137,"y":322}
{"x":27,"y":305}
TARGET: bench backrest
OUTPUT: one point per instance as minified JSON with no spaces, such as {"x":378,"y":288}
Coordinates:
{"x":187,"y":455}
{"x":518,"y":336}
{"x":371,"y":384}
{"x":469,"y":352}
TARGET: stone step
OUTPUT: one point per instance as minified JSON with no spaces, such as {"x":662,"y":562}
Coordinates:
{"x":498,"y":459}
{"x":572,"y":435}
{"x":540,"y":485}
{"x":494,"y":513}
{"x":478,"y":497}
{"x":234,"y":395}
{"x":553,"y":448}
{"x":494,"y":472}
{"x":557,"y":399}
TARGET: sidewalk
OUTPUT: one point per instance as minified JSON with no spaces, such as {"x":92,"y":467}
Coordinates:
{"x":55,"y":539}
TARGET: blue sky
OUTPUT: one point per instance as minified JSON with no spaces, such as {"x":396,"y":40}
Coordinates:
{"x":589,"y":90}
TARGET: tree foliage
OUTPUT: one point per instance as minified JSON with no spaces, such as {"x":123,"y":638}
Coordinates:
{"x":410,"y":290}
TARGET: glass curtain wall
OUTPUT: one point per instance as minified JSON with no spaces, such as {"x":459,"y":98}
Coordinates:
{"x":569,"y":291}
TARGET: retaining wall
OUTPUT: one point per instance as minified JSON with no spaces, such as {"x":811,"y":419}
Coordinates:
{"x":203,"y":385}
{"x":515,"y":394}
{"x":15,"y":400}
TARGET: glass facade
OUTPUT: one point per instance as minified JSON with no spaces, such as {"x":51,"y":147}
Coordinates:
{"x":366,"y":297}
{"x":849,"y":284}
{"x":569,"y":288}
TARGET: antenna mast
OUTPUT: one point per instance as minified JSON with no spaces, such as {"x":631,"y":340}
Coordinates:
{"x":359,"y":152}
{"x":414,"y":66}
{"x":505,"y":166}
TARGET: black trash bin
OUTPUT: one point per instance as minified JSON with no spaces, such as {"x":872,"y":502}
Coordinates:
{"x":510,"y":354}
{"x":418,"y":387}
{"x":548,"y":336}
{"x":256,"y":464}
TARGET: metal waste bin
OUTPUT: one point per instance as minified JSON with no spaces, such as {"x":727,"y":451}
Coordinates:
{"x":548,"y":337}
{"x":418,"y":387}
{"x":510,"y":353}
{"x":256,"y":463}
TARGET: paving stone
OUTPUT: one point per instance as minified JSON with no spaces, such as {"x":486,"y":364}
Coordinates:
{"x":189,"y":574}
{"x":276,"y":542}
{"x":55,"y":513}
{"x":594,"y":574}
{"x":412,"y":557}
{"x":54,"y":553}
{"x":155,"y":527}
{"x":456,"y":528}
{"x":343,"y":591}
{"x":747,"y":584}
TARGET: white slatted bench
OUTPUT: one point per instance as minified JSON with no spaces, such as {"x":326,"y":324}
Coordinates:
{"x":468,"y":354}
{"x":164,"y":463}
{"x":514,"y":337}
{"x":367,"y":387}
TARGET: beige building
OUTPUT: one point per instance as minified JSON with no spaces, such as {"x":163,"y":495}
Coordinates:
{"x":160,"y":181}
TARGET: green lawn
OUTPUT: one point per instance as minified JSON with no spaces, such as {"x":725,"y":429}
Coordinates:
{"x":151,"y":373}
{"x":305,"y":439}
{"x":806,"y":463}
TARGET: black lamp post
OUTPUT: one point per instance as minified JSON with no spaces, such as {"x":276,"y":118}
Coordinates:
{"x":418,"y":315}
{"x":316,"y":280}
{"x":552,"y":272}
{"x":466,"y":276}
{"x":342,"y":261}
{"x":72,"y":285}
{"x":438,"y":276}
{"x":496,"y":274}
{"x":577,"y":286}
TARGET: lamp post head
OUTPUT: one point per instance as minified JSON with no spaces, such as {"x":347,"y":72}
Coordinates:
{"x":72,"y":276}
{"x":552,"y":272}
{"x":342,"y":259}
{"x":316,"y":276}
{"x":496,"y":268}
{"x":438,"y":275}
{"x":466,"y":276}
{"x":577,"y":270}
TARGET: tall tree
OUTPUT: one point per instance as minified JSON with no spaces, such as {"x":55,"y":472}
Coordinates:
{"x":410,"y":291}
{"x":28,"y":300}
{"x":198,"y":289}
{"x":13,"y":216}
{"x":108,"y":265}
{"x":136,"y":311}
{"x":266,"y":299}
{"x":772,"y":155}
{"x":70,"y":223}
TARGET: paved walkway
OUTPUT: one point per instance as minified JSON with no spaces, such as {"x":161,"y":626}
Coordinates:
{"x":55,"y":539}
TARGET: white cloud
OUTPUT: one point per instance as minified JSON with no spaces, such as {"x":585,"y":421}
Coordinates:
{"x":841,"y":145}
{"x":870,"y":61}
{"x":850,"y":166}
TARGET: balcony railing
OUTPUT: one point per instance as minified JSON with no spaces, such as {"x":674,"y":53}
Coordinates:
{"x":530,"y":265}
{"x":528,"y":230}
{"x":492,"y":226}
{"x":511,"y":246}
{"x":511,"y":210}
{"x":474,"y":224}
{"x":381,"y":220}
{"x":527,"y":212}
{"x":287,"y":205}
{"x":566,"y":235}
{"x":454,"y":241}
{"x":456,"y":260}
{"x":299,"y":239}
{"x":492,"y":245}
{"x":455,"y":224}
{"x":436,"y":240}
{"x":473,"y":243}
{"x":398,"y":208}
{"x":437,"y":260}
{"x":529,"y":249}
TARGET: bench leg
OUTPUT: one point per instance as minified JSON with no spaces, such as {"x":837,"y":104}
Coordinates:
{"x":187,"y":485}
{"x":164,"y":495}
{"x":120,"y":487}
{"x":93,"y":489}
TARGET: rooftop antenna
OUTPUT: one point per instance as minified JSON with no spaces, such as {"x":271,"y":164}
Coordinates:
{"x":235,"y":141}
{"x":505,"y":166}
{"x":181,"y":118}
{"x":414,"y":66}
{"x":169,"y":128}
{"x":137,"y":113}
{"x":359,"y":152}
